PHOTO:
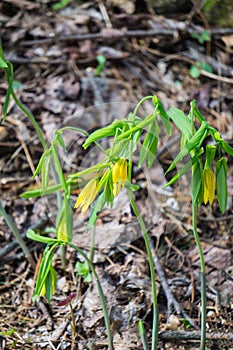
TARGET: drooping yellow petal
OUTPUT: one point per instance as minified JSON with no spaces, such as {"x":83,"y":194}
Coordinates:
{"x":209,"y":186}
{"x":87,"y":195}
{"x":119,"y":175}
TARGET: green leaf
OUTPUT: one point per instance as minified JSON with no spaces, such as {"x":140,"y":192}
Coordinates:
{"x":96,"y":208}
{"x":206,"y":66}
{"x":137,"y":128}
{"x":221,"y":183}
{"x":196,"y":111}
{"x":101,"y":63}
{"x":203,"y":36}
{"x":108,"y":190}
{"x":107,"y":131}
{"x":197,"y":188}
{"x":64,"y":222}
{"x":163,"y":114}
{"x":227,"y":148}
{"x":193,"y":144}
{"x":82,"y":269}
{"x":59,"y":139}
{"x":38,"y":238}
{"x":210,"y":155}
{"x":58,"y":166}
{"x":43,"y":272}
{"x":45,"y":170}
{"x":185,"y":168}
{"x":10,"y":76}
{"x":50,"y":283}
{"x":143,"y":335}
{"x":39,"y":192}
{"x":187,"y":324}
{"x":3,"y":63}
{"x":10,"y":332}
{"x":131,"y":186}
{"x":194,"y":72}
{"x":152,"y":152}
{"x":182,"y":121}
{"x":123,"y":148}
{"x":149,"y":145}
{"x":61,"y":4}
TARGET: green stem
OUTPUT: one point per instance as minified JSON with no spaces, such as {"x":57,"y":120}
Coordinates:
{"x":140,"y":103}
{"x":137,"y":127}
{"x":58,"y":167}
{"x":143,"y":336}
{"x":39,"y":134}
{"x":101,"y":294}
{"x":152,"y":272}
{"x":10,"y":223}
{"x":31,"y":118}
{"x":92,"y":249}
{"x":203,"y":279}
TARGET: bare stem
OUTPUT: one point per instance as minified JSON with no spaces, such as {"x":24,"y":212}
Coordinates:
{"x":203,"y":280}
{"x":152,"y":272}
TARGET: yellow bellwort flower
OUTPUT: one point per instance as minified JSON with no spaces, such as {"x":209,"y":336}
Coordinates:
{"x":209,"y":186}
{"x":87,"y":195}
{"x":119,"y":175}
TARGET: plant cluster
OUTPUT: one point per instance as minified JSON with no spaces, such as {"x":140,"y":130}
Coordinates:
{"x":207,"y":159}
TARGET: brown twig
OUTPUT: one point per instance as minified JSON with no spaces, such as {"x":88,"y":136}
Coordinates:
{"x":171,"y":301}
{"x":116,"y":34}
{"x":186,"y":335}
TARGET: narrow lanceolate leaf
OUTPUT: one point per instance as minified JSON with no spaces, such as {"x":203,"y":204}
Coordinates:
{"x":196,"y":111}
{"x":108,"y":190}
{"x":221,"y":183}
{"x":163,"y":114}
{"x":64,"y":225}
{"x":107,"y":131}
{"x":50,"y":283}
{"x":152,"y":152}
{"x":41,"y":162}
{"x":210,"y":155}
{"x":58,"y":166}
{"x":181,"y":121}
{"x":38,"y":238}
{"x":45,"y":169}
{"x":39,"y":192}
{"x":43,"y":272}
{"x":143,"y":335}
{"x":10,"y":76}
{"x":185,"y":168}
{"x":59,"y":139}
{"x":149,"y":145}
{"x":194,"y":143}
{"x":227,"y":148}
{"x":197,"y":183}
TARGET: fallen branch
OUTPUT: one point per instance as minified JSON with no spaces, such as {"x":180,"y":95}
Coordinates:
{"x":186,"y":335}
{"x":171,"y":300}
{"x":116,"y":34}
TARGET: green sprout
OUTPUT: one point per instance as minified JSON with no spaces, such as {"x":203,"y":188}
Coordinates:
{"x":202,"y":37}
{"x":195,"y":70}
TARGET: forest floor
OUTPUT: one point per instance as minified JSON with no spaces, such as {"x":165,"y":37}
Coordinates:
{"x":54,"y":54}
